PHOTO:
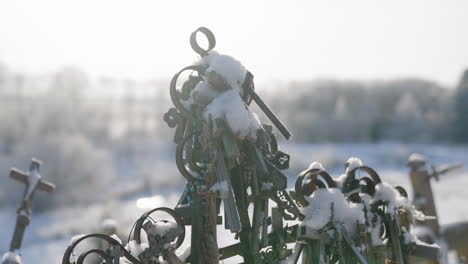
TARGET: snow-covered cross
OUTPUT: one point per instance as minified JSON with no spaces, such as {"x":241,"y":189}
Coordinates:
{"x":33,"y":181}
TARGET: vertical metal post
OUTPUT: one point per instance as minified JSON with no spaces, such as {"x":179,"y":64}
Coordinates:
{"x":197,"y":229}
{"x":237,"y":179}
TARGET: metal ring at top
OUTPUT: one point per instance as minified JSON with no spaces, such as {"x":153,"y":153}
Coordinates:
{"x":372,"y":173}
{"x":351,"y":176}
{"x":211,"y":41}
{"x":402,"y":191}
{"x":175,"y":94}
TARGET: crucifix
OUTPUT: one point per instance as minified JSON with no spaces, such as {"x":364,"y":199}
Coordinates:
{"x":33,"y":181}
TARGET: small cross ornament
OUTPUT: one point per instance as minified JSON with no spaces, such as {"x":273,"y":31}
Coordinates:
{"x":33,"y":181}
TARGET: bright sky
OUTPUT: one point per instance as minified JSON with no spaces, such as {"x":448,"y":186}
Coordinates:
{"x":282,"y":40}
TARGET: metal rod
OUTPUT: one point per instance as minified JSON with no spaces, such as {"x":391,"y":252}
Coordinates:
{"x":247,"y":85}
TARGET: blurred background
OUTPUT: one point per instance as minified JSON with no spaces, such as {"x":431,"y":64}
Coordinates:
{"x":84,"y":86}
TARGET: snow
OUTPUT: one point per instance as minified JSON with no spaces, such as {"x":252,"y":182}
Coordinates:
{"x":375,"y":233}
{"x":386,"y":193}
{"x":394,"y":200}
{"x":406,"y":204}
{"x":222,"y":188}
{"x":416,"y":157}
{"x":423,"y":231}
{"x":222,"y":73}
{"x":316,"y":166}
{"x":49,"y":233}
{"x":114,"y":236}
{"x":203,"y":93}
{"x":366,"y":198}
{"x":340,"y":180}
{"x":319,"y":212}
{"x":136,"y":249}
{"x":11,"y":258}
{"x":185,"y":254}
{"x":231,"y":70}
{"x":330,"y":205}
{"x":220,"y":93}
{"x":161,"y":228}
{"x":230,"y":107}
{"x":72,"y":241}
{"x":420,"y":159}
{"x":353,"y":163}
{"x":33,"y":179}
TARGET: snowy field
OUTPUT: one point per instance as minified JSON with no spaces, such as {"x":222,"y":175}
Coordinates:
{"x":49,"y":233}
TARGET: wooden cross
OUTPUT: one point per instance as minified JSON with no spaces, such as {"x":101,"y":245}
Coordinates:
{"x":423,"y":197}
{"x":33,"y":181}
{"x":455,"y":235}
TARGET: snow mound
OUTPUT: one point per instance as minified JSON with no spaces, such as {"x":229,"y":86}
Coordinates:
{"x":136,"y":249}
{"x":340,"y":180}
{"x":386,"y":193}
{"x":230,"y":107}
{"x":202,"y":94}
{"x":353,"y":163}
{"x":222,"y":73}
{"x":316,"y":166}
{"x":11,"y":258}
{"x":161,"y":228}
{"x":114,"y":236}
{"x":326,"y":205}
{"x":417,"y":157}
{"x":395,"y":201}
{"x":229,"y":69}
{"x":219,"y":95}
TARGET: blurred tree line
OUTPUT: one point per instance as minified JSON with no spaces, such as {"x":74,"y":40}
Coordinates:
{"x":461,"y":110}
{"x":82,"y":132}
{"x":85,"y":129}
{"x":410,"y":110}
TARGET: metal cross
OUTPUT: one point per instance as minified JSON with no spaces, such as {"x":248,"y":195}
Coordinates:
{"x":33,"y":181}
